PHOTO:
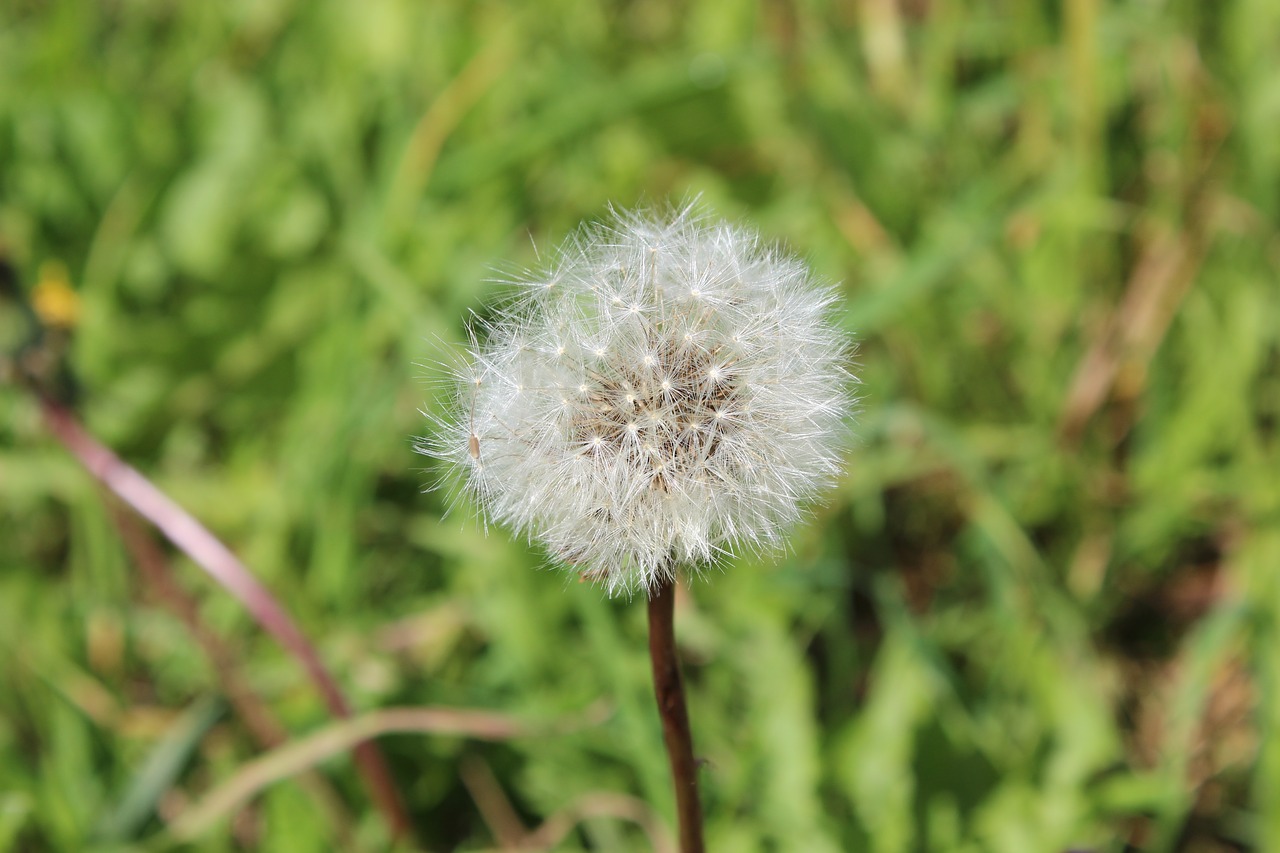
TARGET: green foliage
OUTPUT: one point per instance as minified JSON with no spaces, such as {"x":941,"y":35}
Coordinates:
{"x":1041,"y":613}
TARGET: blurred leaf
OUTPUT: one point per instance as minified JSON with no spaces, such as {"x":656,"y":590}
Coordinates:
{"x":159,"y":771}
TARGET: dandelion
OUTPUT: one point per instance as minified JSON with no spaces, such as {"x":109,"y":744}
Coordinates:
{"x":671,"y":390}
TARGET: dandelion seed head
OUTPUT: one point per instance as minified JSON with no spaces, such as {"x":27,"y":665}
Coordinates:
{"x":708,"y":404}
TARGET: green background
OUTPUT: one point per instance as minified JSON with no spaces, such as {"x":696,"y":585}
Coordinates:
{"x":1039,"y":613}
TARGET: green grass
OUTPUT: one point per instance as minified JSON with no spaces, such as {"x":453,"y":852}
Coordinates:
{"x":1031,"y":619}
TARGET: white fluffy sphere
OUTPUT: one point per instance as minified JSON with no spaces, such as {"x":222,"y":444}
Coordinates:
{"x":669,"y":390}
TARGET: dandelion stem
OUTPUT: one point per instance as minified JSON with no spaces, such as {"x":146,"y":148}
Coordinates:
{"x":669,"y":689}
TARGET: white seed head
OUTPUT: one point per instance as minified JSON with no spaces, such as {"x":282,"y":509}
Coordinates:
{"x":711,"y":400}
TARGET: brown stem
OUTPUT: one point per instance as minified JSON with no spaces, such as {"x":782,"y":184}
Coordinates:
{"x":669,"y":689}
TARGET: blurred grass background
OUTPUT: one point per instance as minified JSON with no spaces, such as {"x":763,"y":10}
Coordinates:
{"x":1041,"y":613}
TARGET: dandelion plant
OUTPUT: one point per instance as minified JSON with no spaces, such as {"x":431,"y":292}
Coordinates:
{"x":670,"y":390}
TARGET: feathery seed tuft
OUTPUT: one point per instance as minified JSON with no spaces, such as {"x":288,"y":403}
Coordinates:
{"x":669,"y":390}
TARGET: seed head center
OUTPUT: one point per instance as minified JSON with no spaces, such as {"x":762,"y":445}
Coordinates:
{"x":660,"y":429}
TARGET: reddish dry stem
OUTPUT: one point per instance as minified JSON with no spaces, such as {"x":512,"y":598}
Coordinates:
{"x":186,"y":533}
